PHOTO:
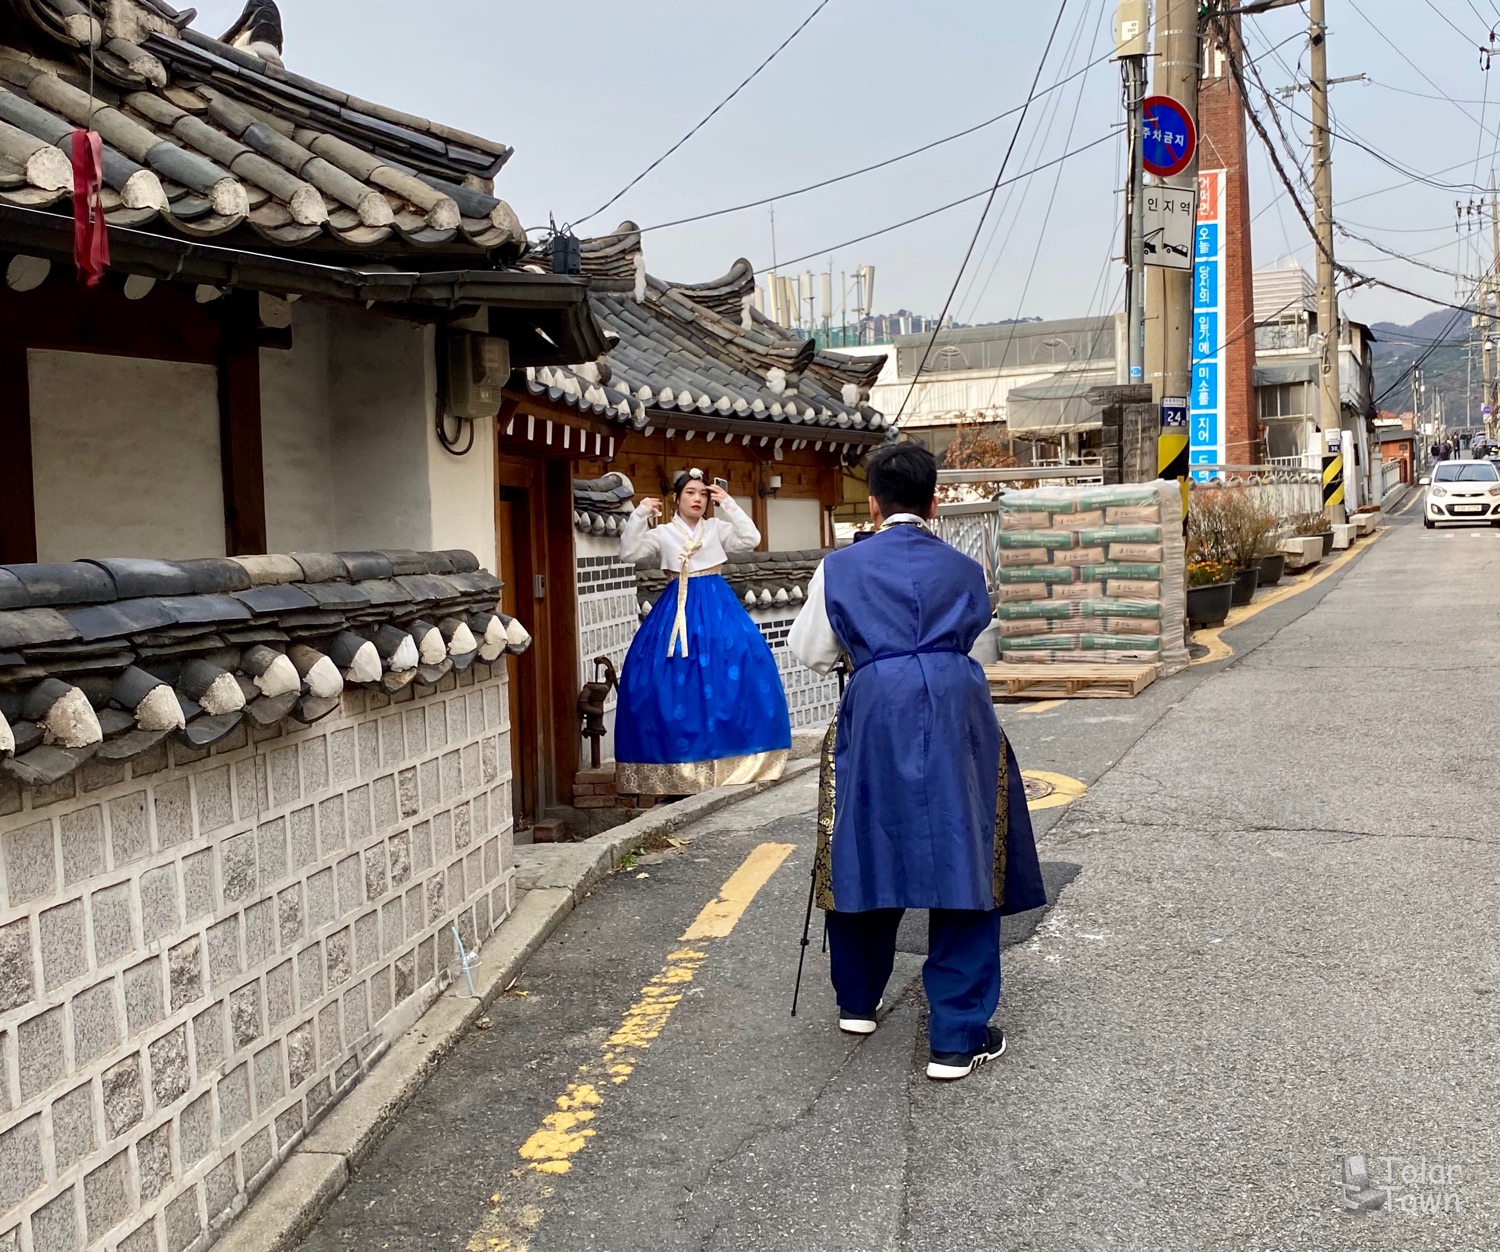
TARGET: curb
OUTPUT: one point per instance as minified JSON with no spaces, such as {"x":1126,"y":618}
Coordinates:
{"x":553,"y":880}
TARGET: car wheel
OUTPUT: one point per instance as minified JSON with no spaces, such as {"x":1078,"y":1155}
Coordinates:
{"x":1429,"y":523}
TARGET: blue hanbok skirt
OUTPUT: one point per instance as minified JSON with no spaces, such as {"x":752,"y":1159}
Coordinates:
{"x":713,"y":718}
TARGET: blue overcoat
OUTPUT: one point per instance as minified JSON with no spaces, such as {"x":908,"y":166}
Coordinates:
{"x":924,"y":806}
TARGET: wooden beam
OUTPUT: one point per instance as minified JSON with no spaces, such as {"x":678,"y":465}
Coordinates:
{"x":17,"y":492}
{"x":562,"y":592}
{"x":241,"y":453}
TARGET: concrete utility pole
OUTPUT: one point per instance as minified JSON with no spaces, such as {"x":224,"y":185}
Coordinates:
{"x":1169,"y":292}
{"x":1331,"y":397}
{"x":1492,"y":346}
{"x":1133,"y":44}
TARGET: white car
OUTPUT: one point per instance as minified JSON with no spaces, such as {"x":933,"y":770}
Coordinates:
{"x":1463,"y":491}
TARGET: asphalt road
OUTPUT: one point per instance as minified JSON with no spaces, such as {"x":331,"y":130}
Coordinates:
{"x":1270,"y":948}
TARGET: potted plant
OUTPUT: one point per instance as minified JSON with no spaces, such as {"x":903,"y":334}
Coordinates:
{"x":1234,"y":528}
{"x":1210,"y":590}
{"x":1272,"y":560}
{"x":1314,"y":522}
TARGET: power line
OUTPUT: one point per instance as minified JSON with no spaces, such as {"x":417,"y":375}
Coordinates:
{"x":942,"y":208}
{"x":979,"y":227}
{"x":1453,"y":25}
{"x":807,"y":21}
{"x":866,"y":169}
{"x":1051,"y":202}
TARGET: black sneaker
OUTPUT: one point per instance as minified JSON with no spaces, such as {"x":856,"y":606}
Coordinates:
{"x":854,"y":1024}
{"x":951,"y":1066}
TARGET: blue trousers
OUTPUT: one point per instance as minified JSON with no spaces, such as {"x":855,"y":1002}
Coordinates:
{"x":962,"y":973}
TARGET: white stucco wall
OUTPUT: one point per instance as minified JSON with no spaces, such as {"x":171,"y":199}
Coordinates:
{"x":352,"y":456}
{"x":463,"y":491}
{"x":380,"y":389}
{"x":794,"y":525}
{"x":297,"y":437}
{"x":125,"y":454}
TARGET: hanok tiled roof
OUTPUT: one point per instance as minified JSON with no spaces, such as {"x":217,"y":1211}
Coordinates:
{"x":762,"y":580}
{"x":108,"y":658}
{"x":704,"y":351}
{"x":601,"y":505}
{"x":208,"y":139}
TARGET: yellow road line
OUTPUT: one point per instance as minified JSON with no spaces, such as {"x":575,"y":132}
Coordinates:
{"x":1213,"y":640}
{"x":1064,"y":789}
{"x":1419,"y":495}
{"x":1041,"y":706}
{"x":566,"y":1131}
{"x":720,"y":915}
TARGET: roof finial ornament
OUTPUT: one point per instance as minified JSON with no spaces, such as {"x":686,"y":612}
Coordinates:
{"x":258,"y":31}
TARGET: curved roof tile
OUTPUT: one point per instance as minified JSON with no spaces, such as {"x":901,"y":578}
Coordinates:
{"x":213,"y":140}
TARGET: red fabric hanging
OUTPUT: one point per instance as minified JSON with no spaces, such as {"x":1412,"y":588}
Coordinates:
{"x":90,"y":235}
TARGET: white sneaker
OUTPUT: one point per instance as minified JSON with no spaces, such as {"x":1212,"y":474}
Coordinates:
{"x":860,"y":1025}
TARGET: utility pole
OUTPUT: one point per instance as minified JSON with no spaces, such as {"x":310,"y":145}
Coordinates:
{"x":1492,"y":346}
{"x":1169,"y":292}
{"x":1331,"y":396}
{"x":1133,"y":44}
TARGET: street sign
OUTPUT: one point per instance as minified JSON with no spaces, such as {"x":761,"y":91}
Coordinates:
{"x":1170,"y":214}
{"x":1206,"y":400}
{"x":1174,"y":412}
{"x":1170,"y":138}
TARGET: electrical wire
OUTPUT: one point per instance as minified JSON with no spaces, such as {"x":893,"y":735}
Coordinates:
{"x":984,"y":286}
{"x":979,"y":227}
{"x":1436,"y":86}
{"x":866,"y":169}
{"x":942,"y":208}
{"x":754,"y":74}
{"x":1452,"y":24}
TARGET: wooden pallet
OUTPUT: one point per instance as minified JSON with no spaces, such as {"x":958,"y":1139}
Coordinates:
{"x":1065,"y":681}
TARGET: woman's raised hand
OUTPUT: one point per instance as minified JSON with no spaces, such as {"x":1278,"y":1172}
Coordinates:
{"x":652,"y":506}
{"x":717,"y":493}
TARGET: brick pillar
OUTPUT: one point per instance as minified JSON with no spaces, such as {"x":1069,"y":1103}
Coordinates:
{"x":1222,"y":145}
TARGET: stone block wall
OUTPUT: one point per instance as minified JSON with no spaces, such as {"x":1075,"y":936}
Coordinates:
{"x":608,"y":615}
{"x":811,"y":699}
{"x":201,"y":953}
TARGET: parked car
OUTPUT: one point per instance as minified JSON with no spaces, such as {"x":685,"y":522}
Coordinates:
{"x":1463,"y":491}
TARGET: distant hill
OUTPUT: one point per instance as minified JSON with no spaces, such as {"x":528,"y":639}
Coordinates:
{"x":1446,"y":369}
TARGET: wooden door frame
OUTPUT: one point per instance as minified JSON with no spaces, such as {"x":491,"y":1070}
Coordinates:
{"x":549,"y":731}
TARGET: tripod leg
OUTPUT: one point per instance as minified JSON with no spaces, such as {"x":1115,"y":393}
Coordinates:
{"x":806,"y":939}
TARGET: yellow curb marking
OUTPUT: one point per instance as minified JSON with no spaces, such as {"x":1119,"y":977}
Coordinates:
{"x":566,"y":1131}
{"x":1064,"y":789}
{"x":1213,"y":640}
{"x":1420,"y":495}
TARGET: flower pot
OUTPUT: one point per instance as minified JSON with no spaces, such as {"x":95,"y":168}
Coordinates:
{"x":1272,"y":567}
{"x":1209,"y":606}
{"x":1327,"y":538}
{"x":1245,"y":583}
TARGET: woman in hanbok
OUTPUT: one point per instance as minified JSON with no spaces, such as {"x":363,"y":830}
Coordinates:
{"x":701,"y":703}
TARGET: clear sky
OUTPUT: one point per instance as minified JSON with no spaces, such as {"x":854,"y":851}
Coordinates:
{"x":589,"y":93}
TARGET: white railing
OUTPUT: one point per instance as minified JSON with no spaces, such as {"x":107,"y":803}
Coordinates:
{"x":974,"y":529}
{"x":1391,"y":477}
{"x":1282,"y":490}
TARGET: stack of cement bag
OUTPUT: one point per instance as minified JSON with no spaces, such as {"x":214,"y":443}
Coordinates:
{"x":1093,"y":575}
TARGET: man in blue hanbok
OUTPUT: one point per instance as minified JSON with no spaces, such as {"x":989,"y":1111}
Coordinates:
{"x":922,"y":803}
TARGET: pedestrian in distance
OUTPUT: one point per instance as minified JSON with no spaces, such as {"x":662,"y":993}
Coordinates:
{"x":922,"y":805}
{"x":701,"y":702}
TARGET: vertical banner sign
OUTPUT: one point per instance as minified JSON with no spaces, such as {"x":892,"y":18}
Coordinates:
{"x":1206,"y":421}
